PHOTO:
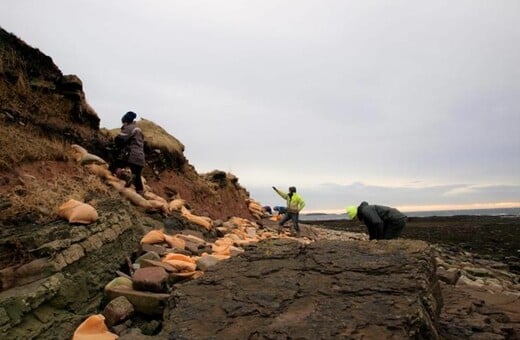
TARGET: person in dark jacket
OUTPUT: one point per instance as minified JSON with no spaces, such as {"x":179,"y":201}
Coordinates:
{"x":382,"y":222}
{"x":131,"y":140}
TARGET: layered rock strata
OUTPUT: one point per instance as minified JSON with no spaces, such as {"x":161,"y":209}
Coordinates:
{"x":50,"y":294}
{"x":326,"y":289}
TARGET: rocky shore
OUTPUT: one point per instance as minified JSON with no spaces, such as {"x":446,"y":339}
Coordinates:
{"x":326,"y":283}
{"x":494,"y":238}
{"x":476,"y":260}
{"x":196,"y":258}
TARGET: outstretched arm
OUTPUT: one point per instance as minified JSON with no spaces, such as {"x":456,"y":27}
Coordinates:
{"x":281,"y":193}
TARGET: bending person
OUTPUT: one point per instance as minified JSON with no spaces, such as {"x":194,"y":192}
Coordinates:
{"x":382,"y":222}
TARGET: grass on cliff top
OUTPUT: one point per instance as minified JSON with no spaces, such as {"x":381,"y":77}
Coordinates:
{"x":38,"y":199}
{"x":155,"y":136}
{"x":22,"y":144}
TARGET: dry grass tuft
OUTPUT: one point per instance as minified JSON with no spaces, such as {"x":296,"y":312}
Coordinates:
{"x":42,"y":198}
{"x":21,"y":144}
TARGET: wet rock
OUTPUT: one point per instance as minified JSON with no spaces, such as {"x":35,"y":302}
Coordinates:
{"x":119,"y":329}
{"x":207,"y":261}
{"x":153,"y":247}
{"x":285,"y":289}
{"x":151,"y":255}
{"x":449,"y":277}
{"x":7,"y":278}
{"x":134,"y":334}
{"x":151,"y":263}
{"x":194,"y":248}
{"x":117,"y":311}
{"x":144,"y":302}
{"x":151,"y":279}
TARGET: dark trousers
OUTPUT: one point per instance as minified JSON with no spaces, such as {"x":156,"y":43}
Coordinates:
{"x":393,"y":229}
{"x":294,"y":216}
{"x":136,"y":172}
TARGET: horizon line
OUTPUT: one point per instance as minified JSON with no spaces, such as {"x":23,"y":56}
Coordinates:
{"x":432,"y":207}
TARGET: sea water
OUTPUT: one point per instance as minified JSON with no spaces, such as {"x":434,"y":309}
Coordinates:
{"x":472,"y":212}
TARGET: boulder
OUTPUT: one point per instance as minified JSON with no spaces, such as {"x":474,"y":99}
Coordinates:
{"x":148,"y":303}
{"x":117,"y":311}
{"x":448,"y":276}
{"x":327,"y":289}
{"x":207,"y":261}
{"x":151,"y":279}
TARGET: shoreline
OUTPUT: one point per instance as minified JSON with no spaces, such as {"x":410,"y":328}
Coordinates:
{"x":489,"y":237}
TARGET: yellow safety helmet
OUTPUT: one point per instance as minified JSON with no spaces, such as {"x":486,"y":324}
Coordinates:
{"x":352,"y":212}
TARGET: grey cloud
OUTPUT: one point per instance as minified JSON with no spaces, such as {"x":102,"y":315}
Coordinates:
{"x":376,"y":92}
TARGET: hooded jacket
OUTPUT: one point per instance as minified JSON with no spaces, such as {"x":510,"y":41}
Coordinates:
{"x":132,"y":137}
{"x":375,"y":217}
{"x":295,"y":202}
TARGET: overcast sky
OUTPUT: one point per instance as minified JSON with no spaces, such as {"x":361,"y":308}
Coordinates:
{"x":402,"y":103}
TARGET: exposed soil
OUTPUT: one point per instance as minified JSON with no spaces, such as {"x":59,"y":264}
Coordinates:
{"x":491,"y":237}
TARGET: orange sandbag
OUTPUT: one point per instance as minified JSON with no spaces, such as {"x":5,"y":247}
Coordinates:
{"x":182,"y":266}
{"x":206,"y":222}
{"x":255,"y":208}
{"x":221,"y":250}
{"x":151,"y":196}
{"x":116,"y":183}
{"x":78,"y":212}
{"x":192,"y":275}
{"x":135,"y":198}
{"x":154,"y":236}
{"x":78,"y":152}
{"x":175,"y":242}
{"x":98,"y":170}
{"x":67,"y":206}
{"x":93,"y":328}
{"x":176,"y":204}
{"x":224,"y":241}
{"x":91,"y":158}
{"x":157,"y":205}
{"x":240,"y":222}
{"x":191,"y":238}
{"x":180,"y":257}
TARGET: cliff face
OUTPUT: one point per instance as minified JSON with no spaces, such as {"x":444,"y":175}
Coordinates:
{"x":52,"y":273}
{"x":43,"y":112}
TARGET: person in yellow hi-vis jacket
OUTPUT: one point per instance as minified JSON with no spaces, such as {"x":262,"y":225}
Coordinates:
{"x":295,"y":204}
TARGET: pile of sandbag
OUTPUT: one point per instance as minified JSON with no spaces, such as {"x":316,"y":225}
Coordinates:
{"x":97,"y":166}
{"x":166,"y":260}
{"x":78,"y":212}
{"x":149,"y":201}
{"x":255,"y":208}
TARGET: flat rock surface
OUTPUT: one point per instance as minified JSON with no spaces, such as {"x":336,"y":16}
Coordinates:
{"x":327,"y":289}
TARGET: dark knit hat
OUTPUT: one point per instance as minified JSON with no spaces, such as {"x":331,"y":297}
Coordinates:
{"x":129,"y":117}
